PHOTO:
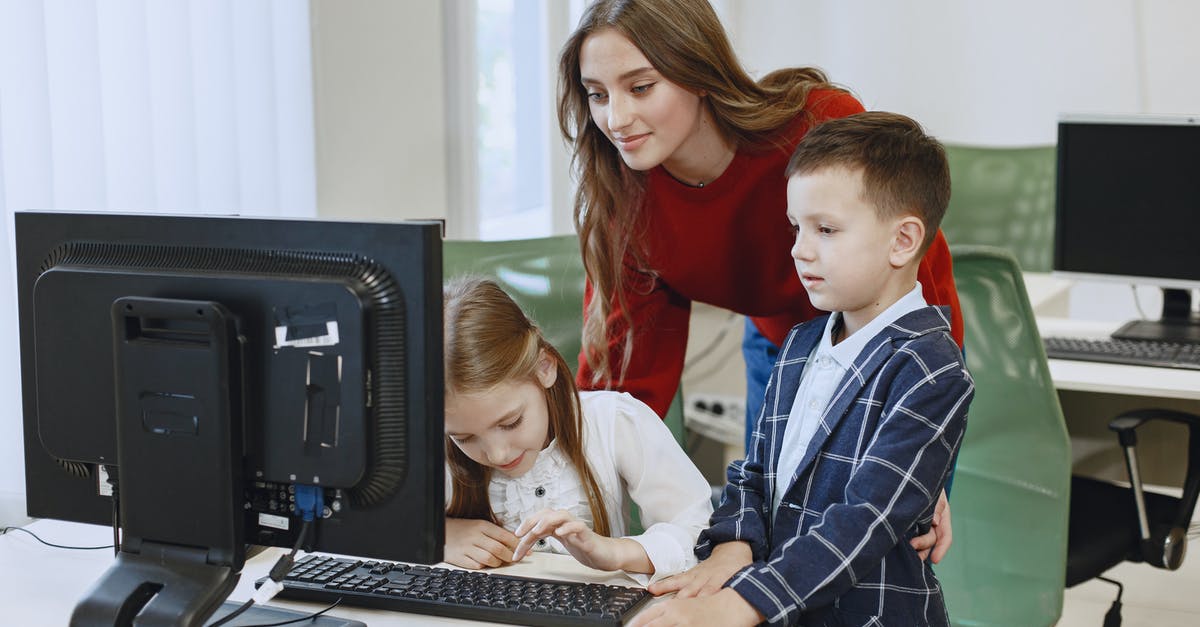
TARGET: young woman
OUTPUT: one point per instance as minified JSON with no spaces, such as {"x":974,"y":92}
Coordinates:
{"x":681,"y":195}
{"x":534,"y":465}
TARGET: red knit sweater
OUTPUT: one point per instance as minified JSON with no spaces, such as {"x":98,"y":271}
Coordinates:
{"x":728,"y":244}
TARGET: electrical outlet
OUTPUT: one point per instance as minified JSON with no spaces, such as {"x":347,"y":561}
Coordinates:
{"x":716,"y":416}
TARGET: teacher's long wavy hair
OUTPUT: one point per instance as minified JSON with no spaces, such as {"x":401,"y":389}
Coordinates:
{"x":488,"y":340}
{"x":685,"y":42}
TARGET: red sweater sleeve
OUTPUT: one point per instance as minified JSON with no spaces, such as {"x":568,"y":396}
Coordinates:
{"x":660,"y":321}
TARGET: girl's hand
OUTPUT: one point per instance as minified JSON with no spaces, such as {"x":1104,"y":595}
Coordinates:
{"x":477,"y":544}
{"x":590,"y":548}
{"x":727,"y":608}
{"x":707,"y":577}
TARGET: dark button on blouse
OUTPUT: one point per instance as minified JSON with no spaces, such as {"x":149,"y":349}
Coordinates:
{"x":539,"y":492}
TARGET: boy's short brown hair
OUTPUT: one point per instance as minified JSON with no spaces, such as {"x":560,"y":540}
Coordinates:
{"x":904,"y":171}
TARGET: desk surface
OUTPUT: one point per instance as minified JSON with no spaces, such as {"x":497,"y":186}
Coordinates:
{"x":1049,"y":296}
{"x":1086,"y":376}
{"x":39,"y":585}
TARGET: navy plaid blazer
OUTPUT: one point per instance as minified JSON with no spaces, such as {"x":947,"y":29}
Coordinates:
{"x":837,"y":550}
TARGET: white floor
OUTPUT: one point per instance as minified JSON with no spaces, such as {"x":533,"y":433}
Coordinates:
{"x":1153,"y":597}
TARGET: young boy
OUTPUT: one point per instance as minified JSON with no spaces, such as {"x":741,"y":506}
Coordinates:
{"x":864,"y":411}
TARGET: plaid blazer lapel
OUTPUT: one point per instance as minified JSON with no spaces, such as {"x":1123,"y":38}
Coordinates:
{"x":877,"y":351}
{"x":849,"y":390}
{"x":789,"y":367}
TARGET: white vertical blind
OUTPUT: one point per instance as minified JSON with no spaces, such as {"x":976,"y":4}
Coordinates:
{"x":193,"y":106}
{"x":165,"y":106}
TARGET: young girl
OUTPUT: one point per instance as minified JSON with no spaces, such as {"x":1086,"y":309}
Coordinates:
{"x":535,"y":465}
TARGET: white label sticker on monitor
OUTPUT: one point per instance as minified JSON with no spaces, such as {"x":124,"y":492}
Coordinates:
{"x":273,"y":521}
{"x":329,"y":339}
{"x":103,"y":486}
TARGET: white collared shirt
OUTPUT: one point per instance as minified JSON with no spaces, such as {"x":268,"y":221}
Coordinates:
{"x":827,"y":366}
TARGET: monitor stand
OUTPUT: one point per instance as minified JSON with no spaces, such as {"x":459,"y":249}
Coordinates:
{"x":177,"y":383}
{"x":1177,"y":324}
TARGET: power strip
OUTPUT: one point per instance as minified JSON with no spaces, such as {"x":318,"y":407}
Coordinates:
{"x":719,"y":417}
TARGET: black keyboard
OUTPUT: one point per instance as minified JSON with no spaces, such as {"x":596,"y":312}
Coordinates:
{"x":460,"y":593}
{"x":1131,"y":352}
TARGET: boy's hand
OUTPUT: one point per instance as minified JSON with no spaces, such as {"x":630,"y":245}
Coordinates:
{"x":940,"y":534}
{"x":707,"y":577}
{"x":477,"y":544}
{"x":590,"y":548}
{"x":726,"y":608}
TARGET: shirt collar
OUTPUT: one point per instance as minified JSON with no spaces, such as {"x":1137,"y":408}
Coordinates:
{"x":849,"y":348}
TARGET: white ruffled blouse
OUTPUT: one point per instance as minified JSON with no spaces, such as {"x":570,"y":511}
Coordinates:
{"x":635,"y":459}
{"x":552,"y":483}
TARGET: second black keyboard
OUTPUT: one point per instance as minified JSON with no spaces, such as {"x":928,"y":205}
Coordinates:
{"x":460,"y":593}
{"x":1130,"y":352}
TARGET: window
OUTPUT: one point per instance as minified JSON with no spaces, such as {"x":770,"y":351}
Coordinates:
{"x":512,"y":105}
{"x":508,"y":168}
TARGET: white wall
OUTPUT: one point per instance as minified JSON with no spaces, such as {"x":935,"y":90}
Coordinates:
{"x":996,"y":73}
{"x":380,"y":108}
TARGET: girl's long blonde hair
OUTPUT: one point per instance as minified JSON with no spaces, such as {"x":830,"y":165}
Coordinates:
{"x":488,"y":341}
{"x":685,"y":42}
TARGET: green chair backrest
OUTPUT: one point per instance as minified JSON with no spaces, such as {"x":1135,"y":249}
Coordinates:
{"x":545,"y":276}
{"x":1011,"y":495}
{"x":1003,"y":197}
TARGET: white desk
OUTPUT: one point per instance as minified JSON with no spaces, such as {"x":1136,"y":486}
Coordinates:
{"x":1092,"y":393}
{"x":39,"y":585}
{"x":1085,"y":376}
{"x":1050,"y":297}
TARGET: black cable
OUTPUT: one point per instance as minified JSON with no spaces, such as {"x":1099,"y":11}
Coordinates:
{"x":300,"y":539}
{"x":1120,"y":588}
{"x":116,"y":515}
{"x":1112,"y":618}
{"x":285,"y":562}
{"x":116,"y":545}
{"x":57,"y":546}
{"x":302,"y":618}
{"x":278,"y":572}
{"x":234,"y":614}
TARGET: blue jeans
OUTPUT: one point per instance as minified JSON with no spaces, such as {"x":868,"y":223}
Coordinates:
{"x":760,"y":354}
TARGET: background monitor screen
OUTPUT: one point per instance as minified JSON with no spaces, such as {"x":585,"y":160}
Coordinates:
{"x":223,"y":370}
{"x":1128,"y":206}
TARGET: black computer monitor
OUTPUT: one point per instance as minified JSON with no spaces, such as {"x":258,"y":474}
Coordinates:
{"x":219,"y":369}
{"x":1128,"y":210}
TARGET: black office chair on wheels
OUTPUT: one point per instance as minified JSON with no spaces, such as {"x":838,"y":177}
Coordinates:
{"x":1112,"y":523}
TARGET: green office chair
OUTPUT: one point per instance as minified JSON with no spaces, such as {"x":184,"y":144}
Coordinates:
{"x":1012,"y":484}
{"x":1003,"y":197}
{"x":545,"y":277}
